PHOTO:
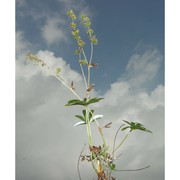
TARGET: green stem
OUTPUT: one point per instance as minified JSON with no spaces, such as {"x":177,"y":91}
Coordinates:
{"x":84,"y":55}
{"x":85,"y":82}
{"x":91,"y":56}
{"x":90,"y":60}
{"x":79,"y":174}
{"x":89,"y":75}
{"x":102,"y":136}
{"x":88,"y":128}
{"x":88,"y":78}
{"x":114,"y":143}
{"x":121,"y":142}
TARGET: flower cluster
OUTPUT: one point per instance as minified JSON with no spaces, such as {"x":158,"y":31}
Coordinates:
{"x":35,"y":59}
{"x":76,"y":32}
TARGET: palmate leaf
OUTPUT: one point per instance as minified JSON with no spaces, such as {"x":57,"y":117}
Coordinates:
{"x":135,"y":126}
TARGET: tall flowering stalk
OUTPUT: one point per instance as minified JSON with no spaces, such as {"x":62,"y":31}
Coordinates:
{"x":103,"y":161}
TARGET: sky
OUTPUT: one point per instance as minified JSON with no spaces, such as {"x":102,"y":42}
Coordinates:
{"x":130,"y":77}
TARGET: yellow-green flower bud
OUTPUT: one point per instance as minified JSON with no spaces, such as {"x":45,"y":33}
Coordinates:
{"x":77,"y":51}
{"x":58,"y":70}
{"x":71,"y":14}
{"x":73,"y":25}
{"x":81,"y":43}
{"x":94,"y":40}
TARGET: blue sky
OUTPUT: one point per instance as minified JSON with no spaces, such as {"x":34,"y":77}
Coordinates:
{"x":130,"y":77}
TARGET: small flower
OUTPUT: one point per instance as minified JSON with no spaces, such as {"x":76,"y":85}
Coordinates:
{"x":71,"y":14}
{"x":75,"y":32}
{"x":83,"y":62}
{"x":58,"y":70}
{"x":90,"y":31}
{"x":80,"y":43}
{"x":94,"y":40}
{"x":77,"y":51}
{"x":73,"y":25}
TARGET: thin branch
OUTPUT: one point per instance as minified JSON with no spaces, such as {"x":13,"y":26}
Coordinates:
{"x":115,"y":139}
{"x":122,"y":142}
{"x":84,"y":55}
{"x":68,"y":87}
{"x":84,"y":77}
{"x":90,"y":60}
{"x":139,"y":169}
{"x":42,"y":64}
{"x":88,"y":78}
{"x":89,"y":69}
{"x":79,"y":162}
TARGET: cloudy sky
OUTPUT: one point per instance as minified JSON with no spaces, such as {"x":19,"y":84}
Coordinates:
{"x":130,"y":77}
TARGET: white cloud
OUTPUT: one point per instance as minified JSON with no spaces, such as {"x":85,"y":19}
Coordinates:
{"x":53,"y":31}
{"x":23,"y":67}
{"x":79,"y":6}
{"x":143,"y":67}
{"x":45,"y":133}
{"x":21,"y":44}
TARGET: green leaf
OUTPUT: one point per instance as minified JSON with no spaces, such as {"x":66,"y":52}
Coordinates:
{"x":83,"y":103}
{"x":81,"y":118}
{"x":112,"y":167}
{"x":76,"y":102}
{"x":94,"y":100}
{"x":127,"y":122}
{"x":135,"y":126}
{"x":125,"y":128}
{"x":84,"y":112}
{"x":90,"y":114}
